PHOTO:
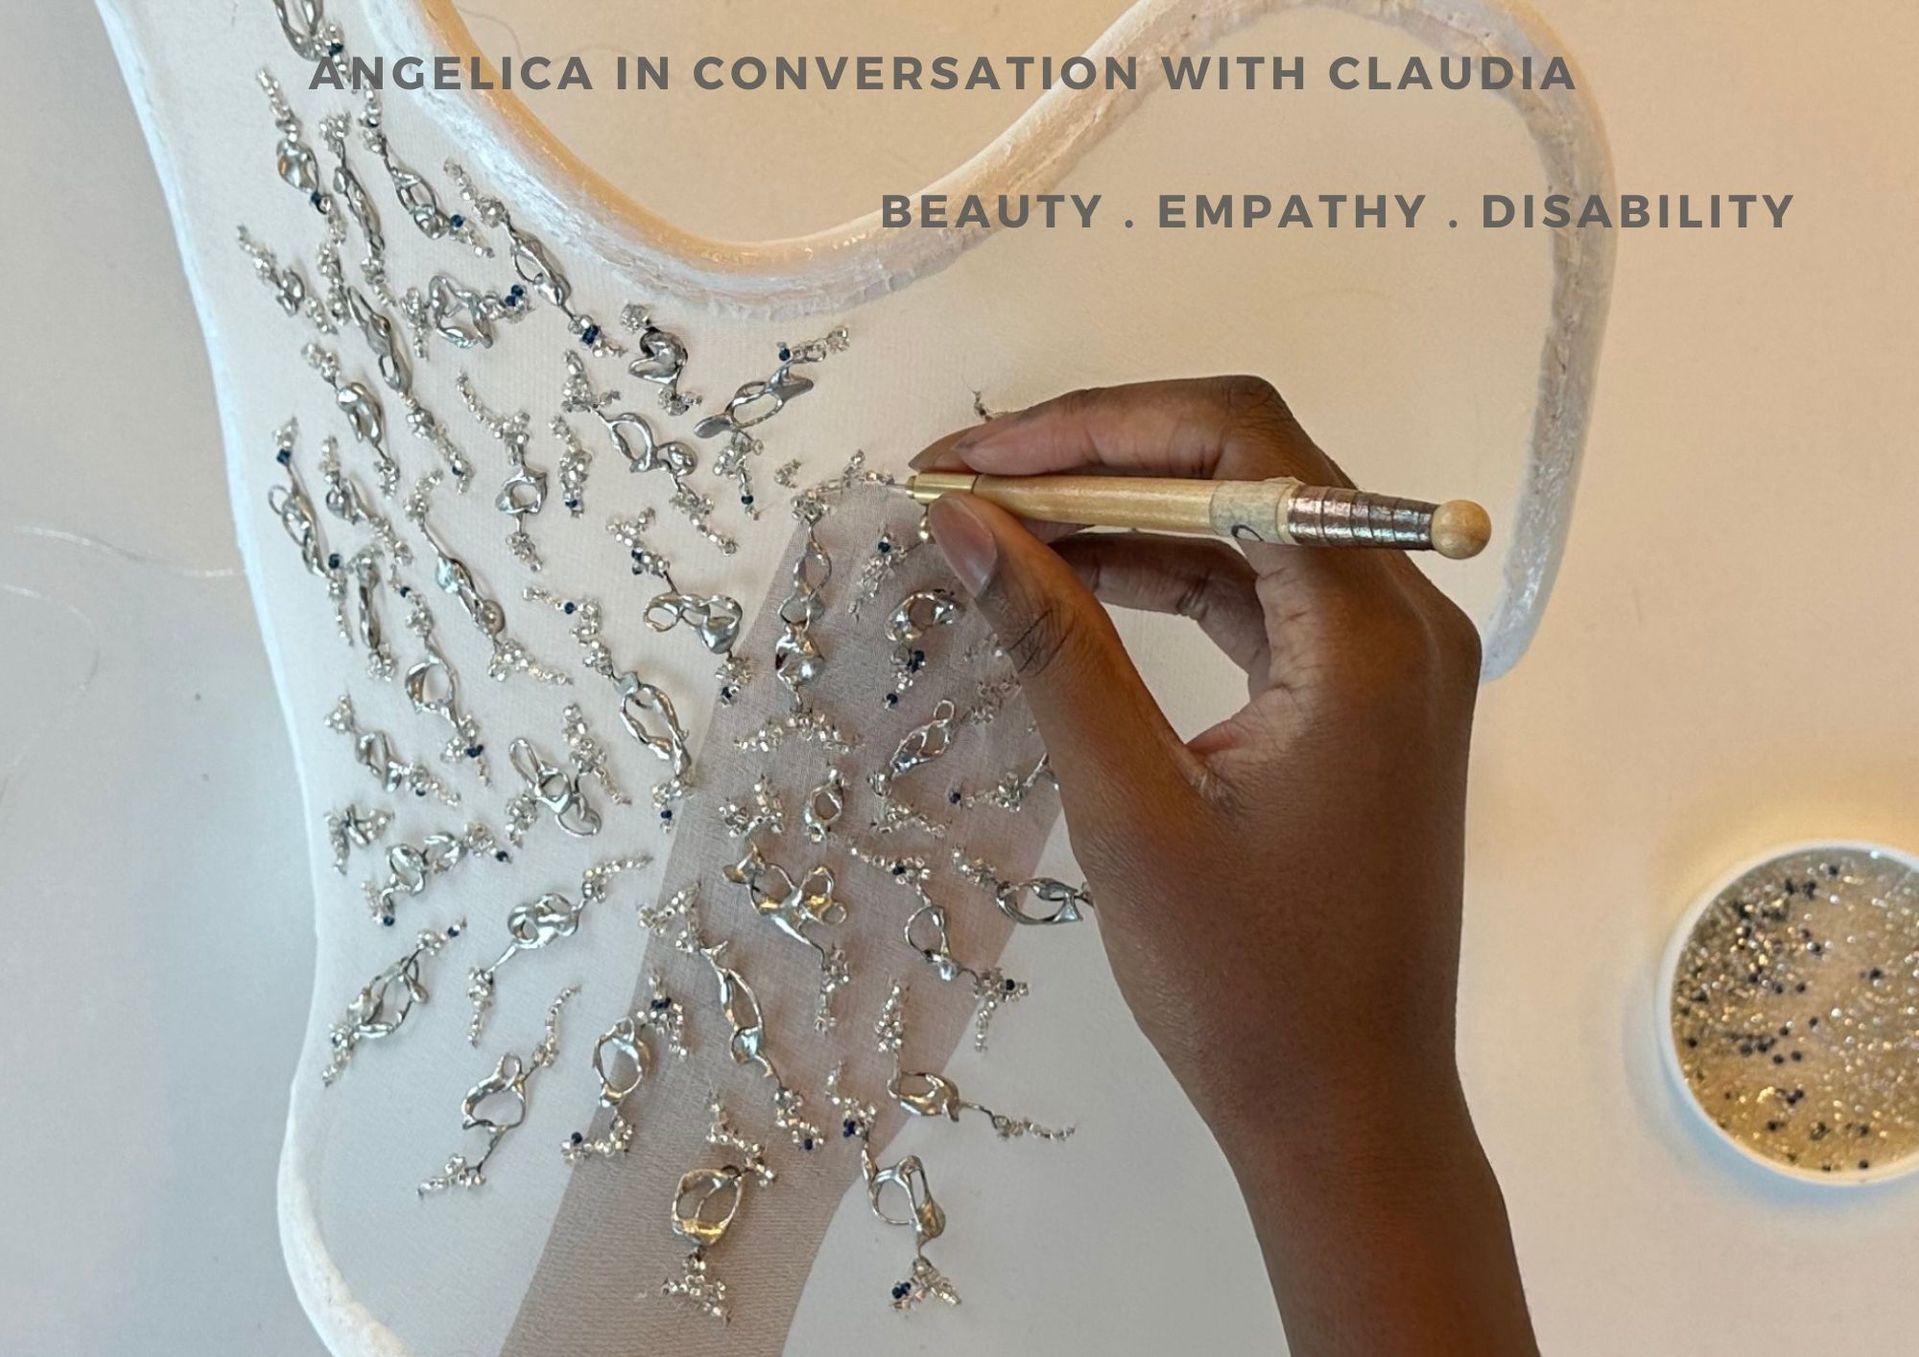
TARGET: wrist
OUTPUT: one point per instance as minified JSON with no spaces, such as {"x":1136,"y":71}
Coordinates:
{"x":1338,"y":1115}
{"x":1385,"y":1231}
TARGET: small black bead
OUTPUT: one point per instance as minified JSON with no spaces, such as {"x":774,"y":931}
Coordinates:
{"x":892,"y":699}
{"x":473,"y":751}
{"x":333,"y":561}
{"x":1009,"y":986}
{"x":807,"y":1144}
{"x":284,"y":456}
{"x":456,"y":221}
{"x":501,"y":856}
{"x":567,"y":608}
{"x":577,"y":1138}
{"x":386,"y":921}
{"x":661,"y":1003}
{"x":885,"y":548}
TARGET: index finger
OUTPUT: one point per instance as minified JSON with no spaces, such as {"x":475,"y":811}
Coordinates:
{"x":1222,"y":428}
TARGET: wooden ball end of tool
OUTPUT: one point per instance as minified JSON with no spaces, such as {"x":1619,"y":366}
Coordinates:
{"x":1461,"y":529}
{"x":1281,"y":510}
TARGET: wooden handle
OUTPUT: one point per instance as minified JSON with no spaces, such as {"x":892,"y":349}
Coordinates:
{"x":1281,"y":510}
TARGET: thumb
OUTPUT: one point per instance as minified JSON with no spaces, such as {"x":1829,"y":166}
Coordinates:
{"x":1111,"y":746}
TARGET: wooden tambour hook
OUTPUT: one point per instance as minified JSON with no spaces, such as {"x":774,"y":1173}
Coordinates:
{"x":1281,"y":510}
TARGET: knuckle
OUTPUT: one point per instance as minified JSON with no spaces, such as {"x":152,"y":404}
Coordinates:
{"x":1195,"y":599}
{"x":1039,"y":639}
{"x":1080,"y":401}
{"x":1456,"y":638}
{"x":1245,"y":394}
{"x":1254,"y":413}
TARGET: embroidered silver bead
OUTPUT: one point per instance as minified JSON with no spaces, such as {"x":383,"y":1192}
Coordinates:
{"x":802,"y":723}
{"x":523,"y":493}
{"x":926,"y":933}
{"x":1011,"y":792}
{"x":307,"y":30}
{"x":621,"y":1061}
{"x":539,"y":923}
{"x":433,"y":689}
{"x":888,"y":554}
{"x":411,"y":868}
{"x":588,"y":755}
{"x":534,"y":263}
{"x":645,"y":710}
{"x":384,"y":1004}
{"x":350,"y":828}
{"x":747,"y":1046}
{"x":575,"y":463}
{"x":374,"y":752}
{"x":797,"y":909}
{"x":824,"y":806}
{"x":632,"y":437}
{"x":704,"y":1209}
{"x":508,"y":1084}
{"x":463,"y":316}
{"x":756,"y":402}
{"x":921,"y":1093}
{"x":1067,"y":903}
{"x":917,"y":614}
{"x":292,"y":505}
{"x":767,"y":812}
{"x":920,"y":745}
{"x":661,"y":361}
{"x":288,"y":285}
{"x":294,"y":160}
{"x":365,"y":416}
{"x":548,"y":787}
{"x":417,"y":197}
{"x":346,"y":501}
{"x":453,"y":577}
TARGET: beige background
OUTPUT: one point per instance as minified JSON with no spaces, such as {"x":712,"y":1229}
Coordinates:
{"x":1715,"y":674}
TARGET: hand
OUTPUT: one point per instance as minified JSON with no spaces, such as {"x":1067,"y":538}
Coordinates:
{"x":1280,"y":896}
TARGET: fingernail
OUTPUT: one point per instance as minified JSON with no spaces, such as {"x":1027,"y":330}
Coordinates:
{"x":966,"y":540}
{"x":928,"y":456}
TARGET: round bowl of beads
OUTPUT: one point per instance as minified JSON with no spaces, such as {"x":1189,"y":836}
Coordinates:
{"x":1789,"y":1011}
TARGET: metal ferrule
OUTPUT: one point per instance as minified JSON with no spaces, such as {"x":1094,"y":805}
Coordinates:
{"x":1326,"y":516}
